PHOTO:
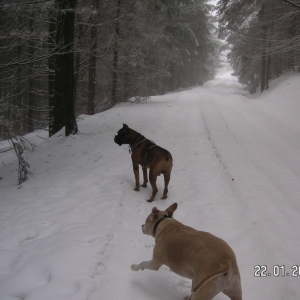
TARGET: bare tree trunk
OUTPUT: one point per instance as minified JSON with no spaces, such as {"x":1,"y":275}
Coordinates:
{"x":63,"y":104}
{"x":68,"y":70}
{"x":30,"y":89}
{"x":81,"y":32}
{"x":91,"y":104}
{"x":76,"y":73}
{"x":116,"y":57}
{"x":58,"y":96}
{"x":51,"y":76}
{"x":268,"y":70}
{"x":293,"y":34}
{"x":77,"y":60}
{"x":263,"y":50}
{"x":18,"y":98}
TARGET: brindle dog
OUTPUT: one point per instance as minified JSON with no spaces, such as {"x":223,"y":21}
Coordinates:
{"x":147,"y":154}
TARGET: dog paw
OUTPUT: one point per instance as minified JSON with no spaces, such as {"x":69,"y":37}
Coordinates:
{"x":135,"y":267}
{"x":136,"y":189}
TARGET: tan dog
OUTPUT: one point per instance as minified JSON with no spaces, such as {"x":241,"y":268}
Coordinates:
{"x":197,"y":255}
{"x":147,"y":154}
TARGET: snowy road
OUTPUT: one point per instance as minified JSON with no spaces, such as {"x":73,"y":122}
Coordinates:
{"x":73,"y":230}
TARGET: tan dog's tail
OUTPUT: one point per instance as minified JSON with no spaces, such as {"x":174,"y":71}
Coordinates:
{"x":210,"y":277}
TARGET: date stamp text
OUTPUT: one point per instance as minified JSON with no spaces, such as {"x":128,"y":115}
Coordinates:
{"x":276,"y":271}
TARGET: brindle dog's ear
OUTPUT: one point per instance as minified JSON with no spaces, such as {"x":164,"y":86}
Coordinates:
{"x":125,"y":127}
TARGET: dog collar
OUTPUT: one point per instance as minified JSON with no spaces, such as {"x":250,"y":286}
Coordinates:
{"x":167,"y":215}
{"x":135,"y":143}
{"x":131,"y":147}
{"x":138,"y":135}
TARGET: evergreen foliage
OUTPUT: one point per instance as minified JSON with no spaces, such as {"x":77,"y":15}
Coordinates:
{"x":121,"y":49}
{"x":263,"y":36}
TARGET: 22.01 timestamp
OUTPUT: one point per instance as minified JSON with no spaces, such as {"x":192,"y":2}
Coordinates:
{"x":276,"y":271}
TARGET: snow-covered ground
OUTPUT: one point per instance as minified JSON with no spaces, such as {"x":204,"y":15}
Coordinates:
{"x":74,"y":228}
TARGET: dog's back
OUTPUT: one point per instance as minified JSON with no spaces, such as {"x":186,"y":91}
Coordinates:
{"x":206,"y":259}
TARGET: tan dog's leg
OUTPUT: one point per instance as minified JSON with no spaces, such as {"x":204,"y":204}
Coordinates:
{"x":149,"y":265}
{"x":233,"y":296}
{"x":145,"y":177}
{"x":234,"y":292}
{"x":154,"y":264}
{"x":152,"y":178}
{"x":137,"y":177}
{"x":167,"y":176}
{"x":208,"y":291}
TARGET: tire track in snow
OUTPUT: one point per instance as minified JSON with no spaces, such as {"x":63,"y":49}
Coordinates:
{"x":215,"y":148}
{"x":248,"y":174}
{"x":259,"y":132}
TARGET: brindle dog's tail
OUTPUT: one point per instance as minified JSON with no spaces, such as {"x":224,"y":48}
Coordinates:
{"x":168,"y":156}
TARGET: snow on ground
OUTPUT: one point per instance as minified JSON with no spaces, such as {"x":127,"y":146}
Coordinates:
{"x":74,"y":228}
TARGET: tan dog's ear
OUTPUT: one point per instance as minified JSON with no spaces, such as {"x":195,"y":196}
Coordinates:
{"x":155,"y":212}
{"x":171,"y":209}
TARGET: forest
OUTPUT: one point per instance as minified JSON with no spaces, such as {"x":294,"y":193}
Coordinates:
{"x":263,"y":37}
{"x":63,"y":58}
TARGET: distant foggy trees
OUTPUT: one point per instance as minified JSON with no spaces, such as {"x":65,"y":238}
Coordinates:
{"x":264,"y":38}
{"x":62,"y":58}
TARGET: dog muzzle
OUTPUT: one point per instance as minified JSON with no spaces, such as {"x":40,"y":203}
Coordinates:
{"x":143,"y":228}
{"x":117,"y":140}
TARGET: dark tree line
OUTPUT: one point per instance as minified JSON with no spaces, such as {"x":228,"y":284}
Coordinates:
{"x":62,"y":58}
{"x":263,"y":37}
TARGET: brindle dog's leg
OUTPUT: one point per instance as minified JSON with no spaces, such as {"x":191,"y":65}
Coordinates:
{"x":167,"y":176}
{"x":137,"y":177}
{"x":145,"y":177}
{"x":152,"y":178}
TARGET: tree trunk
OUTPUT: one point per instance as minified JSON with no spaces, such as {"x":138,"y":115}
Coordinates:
{"x":81,"y":32}
{"x":68,"y":71}
{"x":116,"y":55}
{"x":51,"y":76}
{"x":76,"y":73}
{"x":18,"y":97}
{"x":58,"y":97}
{"x":91,"y":104}
{"x":263,"y":50}
{"x":64,"y":114}
{"x":30,"y":88}
{"x":77,"y":62}
{"x":268,"y":69}
{"x":293,"y":53}
{"x":270,"y":37}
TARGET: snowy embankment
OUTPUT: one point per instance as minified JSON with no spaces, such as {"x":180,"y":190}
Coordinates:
{"x":74,"y":228}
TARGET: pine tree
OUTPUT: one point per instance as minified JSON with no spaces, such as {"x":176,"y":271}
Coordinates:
{"x":263,"y":38}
